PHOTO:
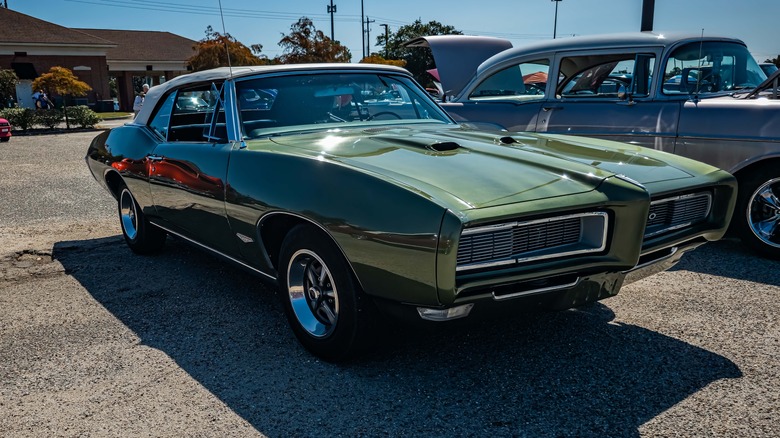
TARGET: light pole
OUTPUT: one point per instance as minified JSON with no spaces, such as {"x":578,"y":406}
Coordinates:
{"x":555,"y":23}
{"x":331,"y":11}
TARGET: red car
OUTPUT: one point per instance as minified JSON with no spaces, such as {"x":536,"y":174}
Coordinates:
{"x":5,"y":130}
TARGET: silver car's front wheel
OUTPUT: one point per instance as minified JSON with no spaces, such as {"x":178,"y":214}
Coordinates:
{"x":757,"y":215}
{"x":763,"y":213}
{"x":312,"y":293}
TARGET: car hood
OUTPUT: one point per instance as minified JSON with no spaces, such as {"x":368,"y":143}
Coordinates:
{"x":480,"y":169}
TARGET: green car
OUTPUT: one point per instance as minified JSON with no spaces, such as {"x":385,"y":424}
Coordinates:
{"x":352,"y":189}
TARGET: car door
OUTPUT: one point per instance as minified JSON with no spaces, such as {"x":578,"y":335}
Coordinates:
{"x":187,"y":169}
{"x":509,"y":97}
{"x":608,"y":94}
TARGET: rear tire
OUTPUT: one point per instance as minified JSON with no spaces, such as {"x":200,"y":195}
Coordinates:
{"x":328,"y":312}
{"x":141,"y":236}
{"x":757,"y":215}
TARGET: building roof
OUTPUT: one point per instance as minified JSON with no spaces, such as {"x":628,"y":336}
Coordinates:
{"x":18,"y":28}
{"x":144,"y":45}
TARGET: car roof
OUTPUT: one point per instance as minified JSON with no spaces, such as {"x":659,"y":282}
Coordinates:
{"x":614,"y":40}
{"x":223,"y":73}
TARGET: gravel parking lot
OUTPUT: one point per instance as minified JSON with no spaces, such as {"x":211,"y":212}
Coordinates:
{"x":95,"y":341}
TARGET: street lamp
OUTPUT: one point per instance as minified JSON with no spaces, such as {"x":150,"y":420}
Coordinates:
{"x":555,"y":23}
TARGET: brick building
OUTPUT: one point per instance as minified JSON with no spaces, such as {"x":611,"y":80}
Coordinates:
{"x":31,"y":46}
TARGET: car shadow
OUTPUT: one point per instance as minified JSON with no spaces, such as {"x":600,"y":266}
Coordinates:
{"x":730,"y":258}
{"x":575,"y":372}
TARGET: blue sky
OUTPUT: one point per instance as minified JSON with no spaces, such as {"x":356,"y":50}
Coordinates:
{"x":521,"y":21}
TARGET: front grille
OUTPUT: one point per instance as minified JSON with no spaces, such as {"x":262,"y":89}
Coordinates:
{"x":671,"y":214}
{"x":515,"y":242}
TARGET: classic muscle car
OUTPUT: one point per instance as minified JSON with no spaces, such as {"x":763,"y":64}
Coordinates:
{"x":5,"y":130}
{"x":358,"y":194}
{"x":702,"y":97}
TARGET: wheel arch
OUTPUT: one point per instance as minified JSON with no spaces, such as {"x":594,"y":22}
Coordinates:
{"x":746,"y":169}
{"x":114,"y":182}
{"x":274,"y":227}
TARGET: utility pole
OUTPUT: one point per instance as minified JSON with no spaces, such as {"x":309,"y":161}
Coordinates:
{"x":387,"y":36}
{"x":555,"y":23}
{"x":368,"y":35}
{"x":331,"y":11}
{"x":648,"y":11}
{"x":362,"y":29}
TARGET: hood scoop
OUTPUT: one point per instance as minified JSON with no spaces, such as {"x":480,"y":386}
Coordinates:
{"x":507,"y":140}
{"x":445,"y":146}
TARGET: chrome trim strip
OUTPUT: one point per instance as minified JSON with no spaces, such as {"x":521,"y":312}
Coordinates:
{"x":536,"y":291}
{"x":516,"y":260}
{"x":677,"y":198}
{"x":499,"y":227}
{"x":252,"y":268}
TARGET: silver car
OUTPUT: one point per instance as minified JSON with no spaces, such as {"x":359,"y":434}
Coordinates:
{"x":700,"y":96}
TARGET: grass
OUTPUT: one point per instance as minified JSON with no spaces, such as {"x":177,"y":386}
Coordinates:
{"x":113,"y":115}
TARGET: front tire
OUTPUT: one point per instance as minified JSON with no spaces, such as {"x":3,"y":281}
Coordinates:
{"x":141,"y":236}
{"x":328,"y":312}
{"x":758,"y":213}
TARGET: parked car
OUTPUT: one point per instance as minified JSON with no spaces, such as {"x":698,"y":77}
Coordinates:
{"x":358,"y":194}
{"x":704,"y":98}
{"x":768,"y":67}
{"x":5,"y":130}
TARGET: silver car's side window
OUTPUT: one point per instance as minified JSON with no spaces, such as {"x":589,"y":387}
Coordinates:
{"x":605,"y":76}
{"x":522,"y":82}
{"x":711,"y":67}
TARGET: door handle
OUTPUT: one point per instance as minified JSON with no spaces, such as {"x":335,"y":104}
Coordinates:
{"x":151,"y":157}
{"x":550,"y":108}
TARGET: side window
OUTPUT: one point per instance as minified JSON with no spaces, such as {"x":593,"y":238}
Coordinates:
{"x":711,"y":67}
{"x":193,"y":117}
{"x":525,"y":81}
{"x":162,"y":117}
{"x":605,"y":76}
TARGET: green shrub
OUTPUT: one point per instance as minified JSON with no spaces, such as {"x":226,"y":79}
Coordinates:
{"x":49,"y":118}
{"x":19,"y":118}
{"x":83,"y":116}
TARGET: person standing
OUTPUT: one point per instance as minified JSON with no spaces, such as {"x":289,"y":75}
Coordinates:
{"x":139,"y":99}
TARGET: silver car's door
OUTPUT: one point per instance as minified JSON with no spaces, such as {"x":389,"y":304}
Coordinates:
{"x":509,"y":97}
{"x":609,"y":94}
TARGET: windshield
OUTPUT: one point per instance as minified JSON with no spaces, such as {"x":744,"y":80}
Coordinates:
{"x":711,"y":68}
{"x":272,"y":105}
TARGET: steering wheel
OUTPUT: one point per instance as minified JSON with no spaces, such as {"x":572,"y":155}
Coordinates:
{"x":391,"y":115}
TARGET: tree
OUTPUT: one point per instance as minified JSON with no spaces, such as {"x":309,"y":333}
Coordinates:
{"x":8,"y":81}
{"x":211,"y":53}
{"x":418,"y":60}
{"x":61,"y":81}
{"x":378,"y":59}
{"x":307,"y":44}
{"x":775,"y":60}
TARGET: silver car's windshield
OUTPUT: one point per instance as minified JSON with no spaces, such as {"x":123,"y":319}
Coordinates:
{"x":711,"y":68}
{"x":291,"y":103}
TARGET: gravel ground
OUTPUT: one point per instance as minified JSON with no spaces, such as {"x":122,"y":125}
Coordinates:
{"x":95,"y":341}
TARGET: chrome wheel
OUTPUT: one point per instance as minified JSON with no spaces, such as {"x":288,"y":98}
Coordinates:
{"x":763,"y":213}
{"x":312,"y":293}
{"x":128,"y":214}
